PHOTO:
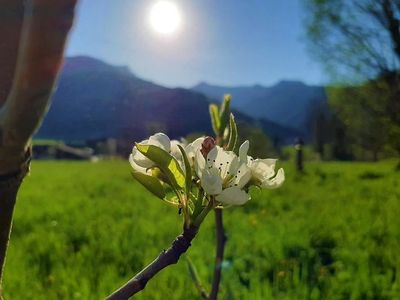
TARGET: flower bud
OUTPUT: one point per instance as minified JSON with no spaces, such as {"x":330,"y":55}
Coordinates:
{"x":207,"y":145}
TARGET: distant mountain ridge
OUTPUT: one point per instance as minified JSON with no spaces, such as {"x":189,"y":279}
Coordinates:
{"x":291,"y":104}
{"x":95,"y":100}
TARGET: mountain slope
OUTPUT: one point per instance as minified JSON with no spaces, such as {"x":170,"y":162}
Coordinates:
{"x":95,"y":100}
{"x":289,"y":103}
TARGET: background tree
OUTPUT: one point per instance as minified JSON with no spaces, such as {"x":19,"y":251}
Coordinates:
{"x":262,"y":144}
{"x":359,"y":42}
{"x":364,"y":117}
{"x":321,"y":130}
{"x":361,"y":36}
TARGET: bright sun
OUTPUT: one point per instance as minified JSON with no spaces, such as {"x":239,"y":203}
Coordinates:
{"x":165,"y":17}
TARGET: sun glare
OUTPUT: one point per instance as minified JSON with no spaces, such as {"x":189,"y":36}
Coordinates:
{"x":165,"y":17}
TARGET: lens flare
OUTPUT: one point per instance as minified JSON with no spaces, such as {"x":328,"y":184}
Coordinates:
{"x":165,"y":17}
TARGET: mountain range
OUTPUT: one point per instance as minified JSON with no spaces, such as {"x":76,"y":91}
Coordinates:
{"x":95,"y":100}
{"x":291,"y":104}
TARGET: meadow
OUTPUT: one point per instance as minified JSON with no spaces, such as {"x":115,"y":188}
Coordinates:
{"x":82,"y":229}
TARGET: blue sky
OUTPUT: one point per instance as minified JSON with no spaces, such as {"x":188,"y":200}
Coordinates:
{"x":225,"y":42}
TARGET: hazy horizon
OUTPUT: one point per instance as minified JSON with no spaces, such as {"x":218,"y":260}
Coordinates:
{"x":198,"y":83}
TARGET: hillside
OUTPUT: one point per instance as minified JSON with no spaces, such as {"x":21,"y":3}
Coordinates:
{"x":95,"y":100}
{"x":290,"y":104}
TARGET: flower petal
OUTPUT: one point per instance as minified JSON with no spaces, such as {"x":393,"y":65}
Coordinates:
{"x":141,"y":160}
{"x":212,"y":156}
{"x":225,"y":161}
{"x":233,"y":196}
{"x":135,"y":166}
{"x":199,"y":163}
{"x":275,"y":182}
{"x":232,"y":167}
{"x":160,"y":140}
{"x":211,"y":181}
{"x":263,"y":169}
{"x":192,"y":148}
{"x":175,"y":152}
{"x":243,"y":176}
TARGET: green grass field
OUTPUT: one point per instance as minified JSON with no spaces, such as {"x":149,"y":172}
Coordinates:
{"x":82,"y":229}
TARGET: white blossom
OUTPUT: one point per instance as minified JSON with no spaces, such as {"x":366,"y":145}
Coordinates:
{"x":211,"y":181}
{"x":233,"y":196}
{"x":221,"y":173}
{"x":160,"y":140}
{"x":262,"y":170}
{"x":192,"y":148}
{"x":175,"y":152}
{"x":136,"y":167}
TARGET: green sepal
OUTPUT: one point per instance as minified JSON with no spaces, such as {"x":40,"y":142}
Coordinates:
{"x":233,"y":134}
{"x":215,"y":118}
{"x":188,"y":171}
{"x":151,"y":183}
{"x":225,"y":113}
{"x":198,"y":204}
{"x":166,"y":162}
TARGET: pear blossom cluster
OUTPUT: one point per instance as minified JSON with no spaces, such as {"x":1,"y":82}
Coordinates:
{"x":224,"y":176}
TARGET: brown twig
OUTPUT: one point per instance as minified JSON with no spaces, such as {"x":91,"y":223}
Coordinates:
{"x":219,"y":257}
{"x":166,"y":258}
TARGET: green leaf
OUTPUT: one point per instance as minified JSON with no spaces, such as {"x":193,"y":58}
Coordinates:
{"x":194,"y":275}
{"x":233,"y":134}
{"x":166,"y":162}
{"x":225,"y":113}
{"x":150,"y":183}
{"x":215,"y":119}
{"x":188,"y":172}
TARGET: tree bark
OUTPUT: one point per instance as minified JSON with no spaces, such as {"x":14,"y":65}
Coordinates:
{"x":32,"y":39}
{"x":11,"y":17}
{"x":9,"y":185}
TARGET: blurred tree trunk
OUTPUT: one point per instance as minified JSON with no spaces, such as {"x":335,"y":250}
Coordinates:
{"x":32,"y":40}
{"x":299,"y":155}
{"x":11,"y":17}
{"x":375,"y":155}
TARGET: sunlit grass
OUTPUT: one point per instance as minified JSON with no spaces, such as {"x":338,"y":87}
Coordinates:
{"x":81,"y":229}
